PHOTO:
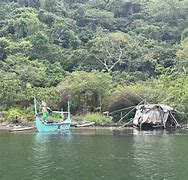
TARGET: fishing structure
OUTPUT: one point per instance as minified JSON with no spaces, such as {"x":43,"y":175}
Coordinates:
{"x":151,"y":116}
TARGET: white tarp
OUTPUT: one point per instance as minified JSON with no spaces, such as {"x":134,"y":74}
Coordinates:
{"x":152,"y":113}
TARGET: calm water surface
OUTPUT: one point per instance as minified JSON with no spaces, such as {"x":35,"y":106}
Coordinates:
{"x":108,"y":155}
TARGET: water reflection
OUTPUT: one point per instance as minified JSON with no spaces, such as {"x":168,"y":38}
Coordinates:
{"x":45,"y":136}
{"x":153,"y":150}
{"x":129,"y":154}
{"x":102,"y":131}
{"x":48,"y":149}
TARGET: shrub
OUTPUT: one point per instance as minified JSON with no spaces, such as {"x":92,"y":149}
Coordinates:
{"x":14,"y":115}
{"x":29,"y":113}
{"x":121,"y":98}
{"x":167,"y":89}
{"x":87,"y":90}
{"x":98,"y":118}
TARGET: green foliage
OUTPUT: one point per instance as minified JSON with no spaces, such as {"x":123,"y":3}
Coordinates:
{"x":122,"y":97}
{"x":26,"y":70}
{"x":51,"y":96}
{"x":29,"y":113}
{"x":121,"y":52}
{"x":171,"y":89}
{"x":182,"y":54}
{"x":24,"y":22}
{"x":26,"y":3}
{"x":95,"y":13}
{"x":169,"y":11}
{"x":98,"y":118}
{"x":54,"y":118}
{"x":6,"y":8}
{"x":131,"y":45}
{"x":170,"y":15}
{"x":150,"y":31}
{"x":87,"y":90}
{"x":55,"y":6}
{"x":129,"y":77}
{"x":15,"y":115}
{"x":184,"y":34}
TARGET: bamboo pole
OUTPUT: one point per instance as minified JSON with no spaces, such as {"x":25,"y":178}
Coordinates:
{"x":177,"y":124}
{"x":35,"y":105}
{"x":130,"y":111}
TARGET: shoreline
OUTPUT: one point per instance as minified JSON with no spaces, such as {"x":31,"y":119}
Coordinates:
{"x":6,"y":126}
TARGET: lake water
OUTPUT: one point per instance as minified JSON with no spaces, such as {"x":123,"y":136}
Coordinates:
{"x":105,"y":154}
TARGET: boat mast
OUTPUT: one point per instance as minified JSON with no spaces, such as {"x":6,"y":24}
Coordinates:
{"x":68,"y":110}
{"x":35,"y":105}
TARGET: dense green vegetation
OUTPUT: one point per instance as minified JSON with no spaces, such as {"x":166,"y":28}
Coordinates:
{"x":100,"y":54}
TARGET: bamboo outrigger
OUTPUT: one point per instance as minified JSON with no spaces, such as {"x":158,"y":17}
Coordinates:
{"x":19,"y":128}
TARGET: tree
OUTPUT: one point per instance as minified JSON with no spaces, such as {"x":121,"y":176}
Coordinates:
{"x":31,"y":3}
{"x":10,"y":85}
{"x":170,"y":88}
{"x":4,"y":43}
{"x":64,"y":34}
{"x":169,"y":11}
{"x":55,"y":6}
{"x":8,"y":47}
{"x":110,"y":49}
{"x":24,"y":22}
{"x":184,"y":34}
{"x":118,"y":52}
{"x":182,"y":54}
{"x":33,"y":72}
{"x":87,"y":90}
{"x":170,"y":15}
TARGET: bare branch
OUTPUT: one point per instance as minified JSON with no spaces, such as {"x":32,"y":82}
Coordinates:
{"x":119,"y":58}
{"x":103,"y":63}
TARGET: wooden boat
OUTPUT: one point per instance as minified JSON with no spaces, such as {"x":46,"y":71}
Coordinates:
{"x":85,"y":124}
{"x":21,"y":128}
{"x":52,"y":126}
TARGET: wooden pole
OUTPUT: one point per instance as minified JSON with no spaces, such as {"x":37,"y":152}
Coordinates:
{"x":35,"y":105}
{"x":176,"y":122}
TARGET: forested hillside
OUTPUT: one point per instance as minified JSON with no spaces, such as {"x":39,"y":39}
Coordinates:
{"x":100,"y":54}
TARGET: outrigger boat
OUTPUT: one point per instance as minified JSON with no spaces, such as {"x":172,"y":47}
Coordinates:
{"x":45,"y":126}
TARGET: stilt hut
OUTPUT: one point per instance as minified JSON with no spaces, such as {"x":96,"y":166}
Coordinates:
{"x":151,"y":116}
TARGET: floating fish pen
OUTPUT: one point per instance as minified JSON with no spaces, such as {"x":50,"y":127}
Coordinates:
{"x":152,"y":116}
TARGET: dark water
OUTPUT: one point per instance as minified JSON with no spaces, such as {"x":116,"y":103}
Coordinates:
{"x":108,"y":155}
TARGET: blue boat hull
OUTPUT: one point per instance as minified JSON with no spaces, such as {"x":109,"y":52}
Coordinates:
{"x":51,"y":127}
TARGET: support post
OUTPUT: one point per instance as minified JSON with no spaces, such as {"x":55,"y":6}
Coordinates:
{"x":35,"y":105}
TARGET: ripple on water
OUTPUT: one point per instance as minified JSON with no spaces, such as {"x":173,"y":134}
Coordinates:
{"x":142,"y":156}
